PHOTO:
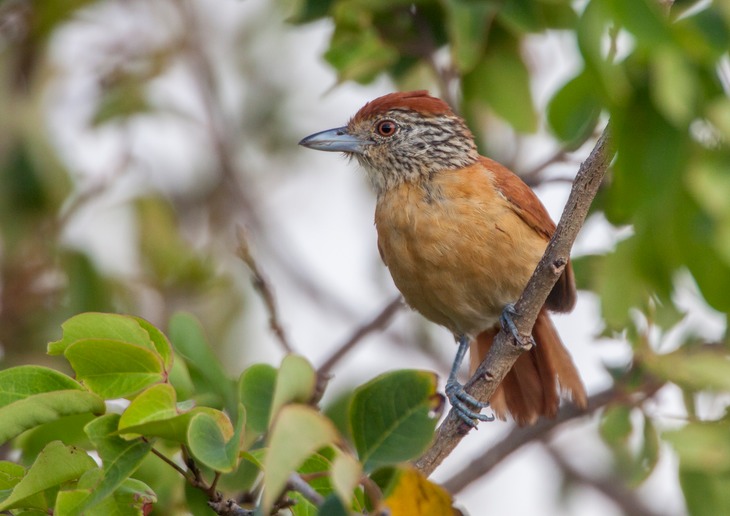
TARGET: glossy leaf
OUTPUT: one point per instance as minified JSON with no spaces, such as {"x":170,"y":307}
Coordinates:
{"x":55,"y":465}
{"x":297,"y":432}
{"x":392,"y":417}
{"x":256,"y":391}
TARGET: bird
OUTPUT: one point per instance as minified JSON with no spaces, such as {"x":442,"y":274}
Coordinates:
{"x":461,"y":235}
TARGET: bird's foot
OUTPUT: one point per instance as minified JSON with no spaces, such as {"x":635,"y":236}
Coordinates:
{"x":524,"y":341}
{"x":463,"y":403}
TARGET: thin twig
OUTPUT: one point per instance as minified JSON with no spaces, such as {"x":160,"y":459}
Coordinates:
{"x":377,"y":323}
{"x":263,"y":288}
{"x":231,"y":193}
{"x":613,"y":487}
{"x":296,"y":483}
{"x":531,"y":176}
{"x":522,"y":436}
{"x":505,"y":350}
{"x":229,"y":508}
{"x":169,"y":461}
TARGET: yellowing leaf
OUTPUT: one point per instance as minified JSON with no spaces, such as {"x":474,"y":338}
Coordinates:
{"x":412,"y":493}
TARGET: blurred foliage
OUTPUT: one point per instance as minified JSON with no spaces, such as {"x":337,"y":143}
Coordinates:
{"x":115,"y":356}
{"x":658,"y":70}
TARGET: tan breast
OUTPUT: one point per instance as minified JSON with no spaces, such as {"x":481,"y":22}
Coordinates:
{"x":455,"y":248}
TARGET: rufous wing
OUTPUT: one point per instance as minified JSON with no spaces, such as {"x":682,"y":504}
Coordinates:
{"x":528,"y":207}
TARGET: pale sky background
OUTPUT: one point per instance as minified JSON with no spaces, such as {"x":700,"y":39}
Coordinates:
{"x":318,"y":208}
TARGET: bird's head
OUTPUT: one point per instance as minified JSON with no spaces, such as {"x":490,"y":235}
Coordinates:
{"x":401,"y":137}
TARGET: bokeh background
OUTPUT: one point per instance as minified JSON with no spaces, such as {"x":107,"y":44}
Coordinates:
{"x":137,"y":137}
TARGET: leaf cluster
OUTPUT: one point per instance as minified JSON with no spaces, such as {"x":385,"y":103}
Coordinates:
{"x":256,"y":435}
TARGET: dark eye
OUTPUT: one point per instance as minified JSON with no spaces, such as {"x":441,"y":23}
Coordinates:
{"x":386,"y":128}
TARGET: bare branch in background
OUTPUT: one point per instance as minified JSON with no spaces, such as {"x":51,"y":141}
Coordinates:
{"x":612,"y":487}
{"x":379,"y":322}
{"x":231,"y":196}
{"x":263,"y":288}
{"x":505,"y":350}
{"x":522,"y":436}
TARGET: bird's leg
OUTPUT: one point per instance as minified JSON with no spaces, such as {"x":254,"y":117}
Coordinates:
{"x":509,"y":325}
{"x":458,"y":397}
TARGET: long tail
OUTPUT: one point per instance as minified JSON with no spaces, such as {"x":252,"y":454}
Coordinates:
{"x":533,"y":387}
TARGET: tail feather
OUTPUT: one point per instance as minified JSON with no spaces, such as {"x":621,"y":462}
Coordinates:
{"x":532,"y":387}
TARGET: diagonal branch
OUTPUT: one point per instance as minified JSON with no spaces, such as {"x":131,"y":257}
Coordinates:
{"x":505,"y":350}
{"x":613,"y":487}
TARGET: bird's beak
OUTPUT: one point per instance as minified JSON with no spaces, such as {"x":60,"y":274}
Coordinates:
{"x":335,"y":140}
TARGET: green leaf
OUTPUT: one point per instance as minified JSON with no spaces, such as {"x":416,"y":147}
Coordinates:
{"x":705,"y":493}
{"x":696,"y":370}
{"x":160,"y":342}
{"x":256,"y":391}
{"x":55,"y":465}
{"x":101,"y":326}
{"x":521,"y":15}
{"x":20,"y":382}
{"x":467,"y":23}
{"x":644,"y":19}
{"x":206,"y":371}
{"x":392,"y":417}
{"x":214,"y":441}
{"x":115,"y":369}
{"x":10,"y":475}
{"x":616,"y":425}
{"x":154,"y":413}
{"x":31,"y":443}
{"x":674,"y":86}
{"x":295,"y":382}
{"x":153,"y":404}
{"x":43,"y":408}
{"x":297,"y":432}
{"x":131,"y":498}
{"x":573,"y":111}
{"x":702,"y":447}
{"x":359,"y":55}
{"x":502,"y":80}
{"x":33,"y":395}
{"x":120,"y":458}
